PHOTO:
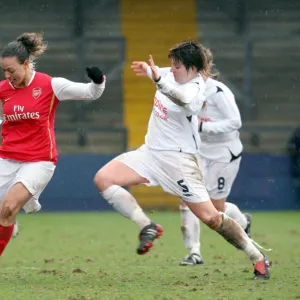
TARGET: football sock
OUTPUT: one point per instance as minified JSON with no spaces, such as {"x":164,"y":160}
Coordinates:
{"x":5,"y":235}
{"x":190,"y":227}
{"x":233,"y":212}
{"x":122,"y":201}
{"x":235,"y":235}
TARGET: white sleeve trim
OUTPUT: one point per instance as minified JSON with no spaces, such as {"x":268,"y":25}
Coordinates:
{"x":65,"y":89}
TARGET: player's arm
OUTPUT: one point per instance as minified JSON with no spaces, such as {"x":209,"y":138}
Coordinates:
{"x":65,"y":89}
{"x":232,"y":118}
{"x":189,"y":96}
{"x":176,"y":94}
{"x":141,"y":68}
{"x":191,"y":99}
{"x":163,"y":72}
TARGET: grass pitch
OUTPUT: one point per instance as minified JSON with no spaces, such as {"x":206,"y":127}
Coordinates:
{"x":83,"y":256}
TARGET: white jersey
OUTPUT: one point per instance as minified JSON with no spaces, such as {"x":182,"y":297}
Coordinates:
{"x":220,"y":120}
{"x":171,"y":126}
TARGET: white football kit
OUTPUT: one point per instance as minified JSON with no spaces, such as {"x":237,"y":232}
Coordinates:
{"x":170,"y":156}
{"x":221,"y":147}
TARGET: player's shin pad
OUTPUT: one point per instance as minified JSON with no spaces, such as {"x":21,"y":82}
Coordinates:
{"x":232,"y":232}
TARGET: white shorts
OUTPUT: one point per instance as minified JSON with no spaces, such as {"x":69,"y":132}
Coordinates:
{"x":33,"y":175}
{"x":219,"y":177}
{"x":176,"y":172}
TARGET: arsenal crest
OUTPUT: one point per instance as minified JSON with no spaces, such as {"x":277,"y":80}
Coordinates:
{"x":36,"y":92}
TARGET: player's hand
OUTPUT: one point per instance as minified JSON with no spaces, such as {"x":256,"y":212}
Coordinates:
{"x":95,"y":74}
{"x":155,"y":72}
{"x":140,"y":68}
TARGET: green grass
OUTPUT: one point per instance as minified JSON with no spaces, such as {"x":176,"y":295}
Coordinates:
{"x":92,"y":256}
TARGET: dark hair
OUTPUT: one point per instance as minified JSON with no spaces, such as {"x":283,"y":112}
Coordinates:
{"x":189,"y":53}
{"x":213,"y":73}
{"x":27,"y":46}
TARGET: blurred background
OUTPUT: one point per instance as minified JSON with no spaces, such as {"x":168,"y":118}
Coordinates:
{"x":256,"y":48}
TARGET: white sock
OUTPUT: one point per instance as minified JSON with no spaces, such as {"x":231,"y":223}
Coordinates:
{"x":125,"y":204}
{"x":234,"y":212}
{"x":190,"y":227}
{"x":235,"y":235}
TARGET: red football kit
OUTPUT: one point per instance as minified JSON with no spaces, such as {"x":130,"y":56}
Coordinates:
{"x":28,"y":127}
{"x":28,"y":152}
{"x":29,"y":113}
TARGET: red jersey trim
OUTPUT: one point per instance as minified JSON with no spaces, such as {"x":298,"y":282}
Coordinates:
{"x":49,"y":130}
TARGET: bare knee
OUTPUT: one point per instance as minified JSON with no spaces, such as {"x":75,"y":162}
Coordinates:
{"x":17,"y":196}
{"x":102,"y":180}
{"x":117,"y":173}
{"x":213,"y":221}
{"x":8,"y":213}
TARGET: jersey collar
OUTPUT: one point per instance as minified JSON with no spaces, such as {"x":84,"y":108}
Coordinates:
{"x":31,"y":79}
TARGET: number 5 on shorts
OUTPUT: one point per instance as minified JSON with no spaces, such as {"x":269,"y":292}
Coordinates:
{"x":185,"y":189}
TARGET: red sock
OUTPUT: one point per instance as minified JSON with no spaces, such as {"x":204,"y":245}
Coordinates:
{"x":5,"y":235}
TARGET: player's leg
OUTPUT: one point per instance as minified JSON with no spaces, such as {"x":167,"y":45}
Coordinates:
{"x":233,"y":233}
{"x":31,"y":206}
{"x":110,"y":181}
{"x":233,"y":212}
{"x":128,"y":170}
{"x":8,"y":171}
{"x":190,"y":228}
{"x":12,"y":202}
{"x":219,"y":180}
{"x":30,"y":179}
{"x":187,"y":175}
{"x":244,"y":219}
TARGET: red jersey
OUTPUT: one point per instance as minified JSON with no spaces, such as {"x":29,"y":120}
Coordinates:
{"x":28,"y":127}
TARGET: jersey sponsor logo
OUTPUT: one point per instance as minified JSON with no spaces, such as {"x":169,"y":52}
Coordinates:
{"x":21,"y":116}
{"x":160,"y":106}
{"x":36,"y":92}
{"x":160,"y":110}
{"x":205,"y":119}
{"x":160,"y":115}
